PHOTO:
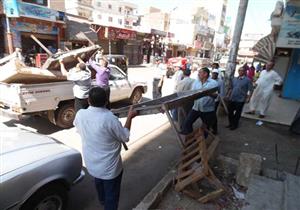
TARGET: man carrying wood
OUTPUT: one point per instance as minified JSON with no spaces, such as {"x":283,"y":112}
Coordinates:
{"x":81,"y":76}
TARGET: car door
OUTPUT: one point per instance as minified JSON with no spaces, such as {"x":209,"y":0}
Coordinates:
{"x":120,"y":88}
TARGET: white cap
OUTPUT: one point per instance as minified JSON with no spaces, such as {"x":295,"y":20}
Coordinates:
{"x":215,"y":71}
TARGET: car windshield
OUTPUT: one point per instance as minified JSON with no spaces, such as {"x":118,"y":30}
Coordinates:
{"x":115,"y":74}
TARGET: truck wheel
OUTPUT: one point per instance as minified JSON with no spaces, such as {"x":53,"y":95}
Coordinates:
{"x":136,"y":96}
{"x":52,"y":197}
{"x":64,"y":115}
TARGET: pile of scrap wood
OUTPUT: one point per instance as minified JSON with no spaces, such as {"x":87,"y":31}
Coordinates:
{"x":195,"y":177}
{"x":14,"y":70}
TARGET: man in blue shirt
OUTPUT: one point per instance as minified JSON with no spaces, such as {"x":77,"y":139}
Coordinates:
{"x":203,"y":107}
{"x":238,"y":94}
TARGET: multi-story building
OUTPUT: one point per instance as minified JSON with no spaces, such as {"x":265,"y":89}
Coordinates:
{"x":198,"y":41}
{"x":118,"y":14}
{"x":83,"y":8}
{"x":247,"y":42}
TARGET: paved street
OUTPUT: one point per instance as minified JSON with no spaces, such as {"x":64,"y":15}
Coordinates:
{"x":152,"y":150}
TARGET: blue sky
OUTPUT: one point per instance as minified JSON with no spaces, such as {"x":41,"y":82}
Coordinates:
{"x":257,"y":18}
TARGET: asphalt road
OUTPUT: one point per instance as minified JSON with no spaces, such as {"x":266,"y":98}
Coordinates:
{"x":152,"y":150}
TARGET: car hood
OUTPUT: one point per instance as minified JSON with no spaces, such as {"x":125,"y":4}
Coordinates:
{"x":20,"y":148}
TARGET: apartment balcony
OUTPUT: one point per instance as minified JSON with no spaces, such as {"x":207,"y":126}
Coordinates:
{"x":85,"y":3}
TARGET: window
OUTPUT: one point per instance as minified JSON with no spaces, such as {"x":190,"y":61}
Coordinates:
{"x":99,"y":4}
{"x":109,"y":6}
{"x":127,"y":22}
{"x":110,"y":19}
{"x":120,"y":9}
{"x":120,"y":21}
{"x":115,"y":74}
{"x":39,"y":2}
{"x":99,"y":16}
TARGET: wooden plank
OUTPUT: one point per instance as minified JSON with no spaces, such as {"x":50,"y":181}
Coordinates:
{"x":189,"y":155}
{"x":188,"y":163}
{"x":192,"y":193}
{"x":191,"y":146}
{"x":185,"y":174}
{"x":187,"y":181}
{"x":212,"y":147}
{"x":8,"y":58}
{"x":180,"y":140}
{"x":211,"y":196}
{"x":41,"y":45}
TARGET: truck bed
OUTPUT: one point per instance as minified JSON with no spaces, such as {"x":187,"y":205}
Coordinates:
{"x":30,"y":98}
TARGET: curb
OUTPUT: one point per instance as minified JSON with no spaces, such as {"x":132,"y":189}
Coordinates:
{"x":154,"y":197}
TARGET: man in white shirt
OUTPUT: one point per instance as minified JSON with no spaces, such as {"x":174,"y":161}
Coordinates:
{"x":185,"y":84}
{"x":203,"y":107}
{"x":178,"y":76}
{"x":81,"y":77}
{"x":158,"y":79}
{"x":102,"y":136}
{"x":263,"y":92}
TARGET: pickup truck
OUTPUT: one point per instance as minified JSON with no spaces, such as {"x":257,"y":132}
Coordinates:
{"x":55,"y":100}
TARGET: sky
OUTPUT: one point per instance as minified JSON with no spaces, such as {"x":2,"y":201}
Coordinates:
{"x":257,"y":16}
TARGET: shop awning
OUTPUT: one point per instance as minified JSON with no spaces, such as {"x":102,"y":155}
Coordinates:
{"x":78,"y":28}
{"x":265,"y":48}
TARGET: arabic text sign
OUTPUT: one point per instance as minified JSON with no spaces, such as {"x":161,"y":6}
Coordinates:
{"x":289,"y":35}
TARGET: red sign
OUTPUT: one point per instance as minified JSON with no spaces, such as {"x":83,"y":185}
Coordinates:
{"x":116,"y":33}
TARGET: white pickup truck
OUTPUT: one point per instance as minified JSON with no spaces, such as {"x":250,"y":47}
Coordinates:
{"x":55,"y":100}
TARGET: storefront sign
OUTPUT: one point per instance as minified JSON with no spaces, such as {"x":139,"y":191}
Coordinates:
{"x":289,"y":35}
{"x":34,"y":28}
{"x":11,"y":8}
{"x":40,"y":12}
{"x":116,"y":33}
{"x":158,"y":32}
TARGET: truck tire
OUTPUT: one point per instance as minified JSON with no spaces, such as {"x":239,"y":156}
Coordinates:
{"x":136,"y":95}
{"x":64,"y":115}
{"x":50,"y":197}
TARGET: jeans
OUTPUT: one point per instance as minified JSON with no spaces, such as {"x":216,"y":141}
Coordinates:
{"x":156,"y":91}
{"x":235,"y":110}
{"x":109,"y":192}
{"x":107,"y":91}
{"x":80,"y":104}
{"x":215,"y":124}
{"x":208,"y":118}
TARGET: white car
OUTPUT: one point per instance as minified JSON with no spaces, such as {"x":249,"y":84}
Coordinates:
{"x":36,"y":171}
{"x":121,"y":88}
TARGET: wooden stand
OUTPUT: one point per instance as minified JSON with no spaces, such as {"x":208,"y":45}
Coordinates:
{"x":194,"y":167}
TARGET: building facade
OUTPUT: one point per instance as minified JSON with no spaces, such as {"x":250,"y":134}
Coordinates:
{"x":33,"y":17}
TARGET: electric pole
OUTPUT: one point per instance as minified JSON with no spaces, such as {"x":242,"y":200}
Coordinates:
{"x":239,"y":23}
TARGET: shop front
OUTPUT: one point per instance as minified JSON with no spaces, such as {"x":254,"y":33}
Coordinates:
{"x":121,"y":41}
{"x":45,"y":24}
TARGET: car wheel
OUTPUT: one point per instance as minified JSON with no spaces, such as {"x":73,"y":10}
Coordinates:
{"x":64,"y":115}
{"x":52,"y":197}
{"x":136,"y":96}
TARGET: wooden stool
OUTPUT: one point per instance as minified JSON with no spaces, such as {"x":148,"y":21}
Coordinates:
{"x":193,"y":167}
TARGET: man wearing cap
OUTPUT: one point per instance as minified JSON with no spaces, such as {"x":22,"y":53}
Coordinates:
{"x":221,"y":95}
{"x":203,"y":107}
{"x":158,"y":79}
{"x":239,"y":93}
{"x":81,"y":77}
{"x":178,"y":76}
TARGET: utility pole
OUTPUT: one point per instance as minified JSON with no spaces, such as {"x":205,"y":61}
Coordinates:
{"x":239,"y":23}
{"x":9,"y":36}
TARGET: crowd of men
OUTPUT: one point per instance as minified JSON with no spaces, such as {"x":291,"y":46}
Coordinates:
{"x":103,"y":135}
{"x":252,"y":85}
